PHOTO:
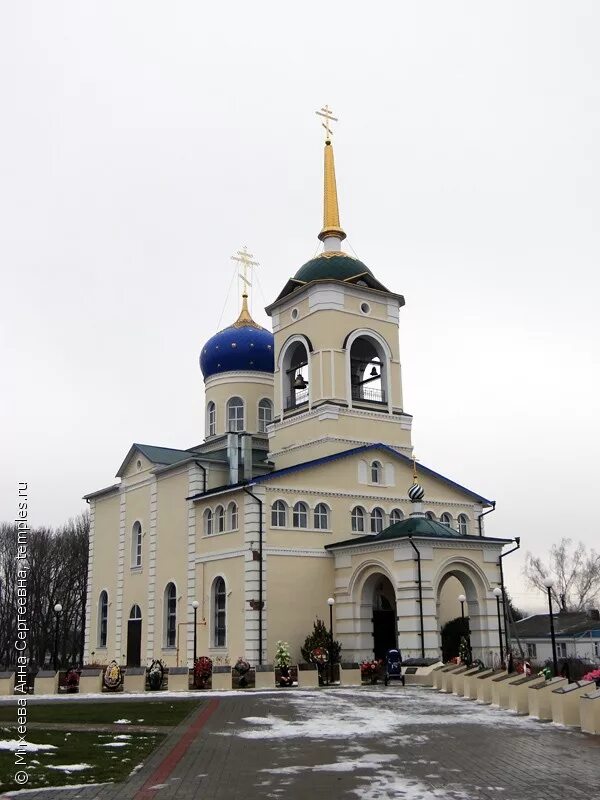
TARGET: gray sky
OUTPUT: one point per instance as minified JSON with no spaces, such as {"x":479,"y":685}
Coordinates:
{"x":144,"y":142}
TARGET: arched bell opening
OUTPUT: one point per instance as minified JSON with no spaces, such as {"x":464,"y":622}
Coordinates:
{"x":296,"y":376}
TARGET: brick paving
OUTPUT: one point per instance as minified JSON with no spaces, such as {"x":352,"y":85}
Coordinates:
{"x":371,"y":743}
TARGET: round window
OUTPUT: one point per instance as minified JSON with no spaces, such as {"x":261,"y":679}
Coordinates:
{"x":139,"y":464}
{"x":365,"y":308}
{"x":294,"y":313}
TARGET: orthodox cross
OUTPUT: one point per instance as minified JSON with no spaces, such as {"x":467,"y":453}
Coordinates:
{"x":326,"y":112}
{"x":246,"y":262}
{"x":415,"y":459}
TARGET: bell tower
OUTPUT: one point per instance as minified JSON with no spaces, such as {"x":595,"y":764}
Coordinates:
{"x":338,"y":380}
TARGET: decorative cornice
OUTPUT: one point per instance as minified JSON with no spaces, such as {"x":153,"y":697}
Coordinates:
{"x":343,"y":440}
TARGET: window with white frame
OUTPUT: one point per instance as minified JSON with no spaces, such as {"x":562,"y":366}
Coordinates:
{"x":232,"y":516}
{"x":220,"y":519}
{"x":376,"y":472}
{"x":561,"y":649}
{"x":220,"y":613}
{"x":531,"y":651}
{"x":170,"y":606}
{"x":463,"y":524}
{"x":211,"y":419}
{"x":376,"y":520}
{"x":321,"y":517}
{"x":265,"y":415}
{"x":446,"y":520}
{"x":396,"y":516}
{"x":208,"y":522}
{"x":136,"y":545}
{"x":300,"y":516}
{"x":278,"y":514}
{"x":103,"y":619}
{"x":358,"y":520}
{"x":235,"y":414}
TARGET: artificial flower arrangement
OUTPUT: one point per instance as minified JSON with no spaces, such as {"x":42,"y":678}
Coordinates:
{"x":371,"y":669}
{"x":113,"y":677}
{"x":155,"y":674}
{"x":202,"y":671}
{"x":283,"y":662}
{"x":72,"y":680}
{"x":319,"y":655}
{"x":242,"y":667}
{"x":594,"y":675}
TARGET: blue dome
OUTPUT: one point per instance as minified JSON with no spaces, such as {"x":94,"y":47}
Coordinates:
{"x":239,"y":347}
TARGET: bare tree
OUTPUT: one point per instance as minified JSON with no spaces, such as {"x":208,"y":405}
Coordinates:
{"x":576,"y":574}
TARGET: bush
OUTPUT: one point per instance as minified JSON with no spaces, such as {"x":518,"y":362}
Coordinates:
{"x":320,"y":637}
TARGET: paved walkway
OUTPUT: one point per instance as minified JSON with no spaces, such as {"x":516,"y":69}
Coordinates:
{"x":371,"y":743}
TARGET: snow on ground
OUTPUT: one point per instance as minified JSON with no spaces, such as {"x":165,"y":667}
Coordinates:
{"x":70,"y":767}
{"x":28,"y":747}
{"x":21,"y":792}
{"x":122,"y":722}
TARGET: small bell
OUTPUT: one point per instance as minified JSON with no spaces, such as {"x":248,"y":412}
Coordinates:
{"x":299,"y":382}
{"x":374,"y":373}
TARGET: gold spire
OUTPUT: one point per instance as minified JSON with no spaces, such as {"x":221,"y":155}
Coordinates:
{"x":246,"y":261}
{"x":331,"y":213}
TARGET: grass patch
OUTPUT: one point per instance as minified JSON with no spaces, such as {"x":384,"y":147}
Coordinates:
{"x":106,"y":757}
{"x":148,"y":712}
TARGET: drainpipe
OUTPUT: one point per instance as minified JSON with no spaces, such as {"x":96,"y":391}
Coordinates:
{"x":203,"y":468}
{"x":414,"y":547}
{"x":493,"y":508}
{"x":260,"y":572}
{"x":517,"y":541}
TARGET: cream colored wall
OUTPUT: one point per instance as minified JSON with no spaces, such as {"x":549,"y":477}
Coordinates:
{"x":449,"y":603}
{"x":252,"y":387}
{"x":298,"y":589}
{"x":138,"y":468}
{"x":232,"y":570}
{"x":104,"y":573}
{"x":135,"y":580}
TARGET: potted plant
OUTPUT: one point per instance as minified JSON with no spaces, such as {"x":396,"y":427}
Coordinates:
{"x":242,"y":667}
{"x":283,"y":662}
{"x":155,"y":674}
{"x":320,"y":657}
{"x":202,"y":672}
{"x":369,"y":670}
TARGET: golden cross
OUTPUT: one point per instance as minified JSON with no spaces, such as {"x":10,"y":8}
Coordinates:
{"x":246,"y":261}
{"x":415,"y":459}
{"x":326,"y":112}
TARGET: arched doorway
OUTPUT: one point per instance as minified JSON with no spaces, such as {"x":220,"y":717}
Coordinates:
{"x":456,"y":580}
{"x":378,"y":595}
{"x":134,"y":637}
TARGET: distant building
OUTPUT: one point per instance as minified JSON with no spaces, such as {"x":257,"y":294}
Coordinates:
{"x":577,"y":636}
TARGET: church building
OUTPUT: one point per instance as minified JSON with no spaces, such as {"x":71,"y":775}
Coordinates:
{"x":304,"y":489}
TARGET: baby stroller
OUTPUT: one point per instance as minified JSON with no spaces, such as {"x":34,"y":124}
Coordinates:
{"x":393,"y":667}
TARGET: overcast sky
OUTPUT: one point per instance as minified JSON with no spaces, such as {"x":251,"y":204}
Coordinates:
{"x":142,"y":143}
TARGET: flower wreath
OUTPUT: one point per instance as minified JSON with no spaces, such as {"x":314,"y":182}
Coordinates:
{"x":319,"y":655}
{"x":156,"y":672}
{"x":113,"y":676}
{"x":241,"y":666}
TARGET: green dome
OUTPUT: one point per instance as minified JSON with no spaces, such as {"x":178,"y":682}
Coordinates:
{"x":337,"y":267}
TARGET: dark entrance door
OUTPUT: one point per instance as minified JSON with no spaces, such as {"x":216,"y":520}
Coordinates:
{"x":384,"y":631}
{"x":134,"y":642}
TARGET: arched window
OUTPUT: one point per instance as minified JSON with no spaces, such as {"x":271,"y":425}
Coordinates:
{"x":295,"y":375}
{"x":300,"y":516}
{"x":220,"y":519}
{"x":232,"y":516}
{"x":463,"y":524}
{"x":135,"y":613}
{"x":136,"y":545}
{"x":358,"y":520}
{"x":376,"y":472}
{"x":220,"y":613}
{"x":235,"y":414}
{"x":208,"y":522}
{"x":170,"y":607}
{"x":102,"y":619}
{"x":446,"y":520}
{"x":278,"y":514}
{"x":368,"y":368}
{"x":430,"y":515}
{"x":211,"y":419}
{"x":265,"y":415}
{"x":321,"y":517}
{"x":376,"y":520}
{"x":396,"y":516}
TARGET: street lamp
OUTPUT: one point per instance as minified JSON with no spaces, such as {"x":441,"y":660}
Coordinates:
{"x":498,"y":595}
{"x":549,"y":583}
{"x":330,"y":602}
{"x":57,"y":612}
{"x":195,"y":607}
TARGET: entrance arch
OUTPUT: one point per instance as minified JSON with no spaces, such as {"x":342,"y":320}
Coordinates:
{"x":134,"y":637}
{"x":377,"y":617}
{"x":460,"y":573}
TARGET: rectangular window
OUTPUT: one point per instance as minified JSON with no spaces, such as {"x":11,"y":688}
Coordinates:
{"x":561,"y":649}
{"x":597,"y":649}
{"x":531,"y":650}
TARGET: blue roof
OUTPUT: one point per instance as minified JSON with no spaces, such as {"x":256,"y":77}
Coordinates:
{"x":239,"y":347}
{"x":363,"y":449}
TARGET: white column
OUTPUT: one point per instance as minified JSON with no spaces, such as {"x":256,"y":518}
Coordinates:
{"x":120,"y":577}
{"x":88,"y":601}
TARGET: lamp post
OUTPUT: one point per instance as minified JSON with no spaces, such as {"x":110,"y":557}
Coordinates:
{"x":462,"y":599}
{"x":330,"y":603}
{"x":549,"y":583}
{"x":195,"y":607}
{"x":57,"y":612}
{"x":498,"y":595}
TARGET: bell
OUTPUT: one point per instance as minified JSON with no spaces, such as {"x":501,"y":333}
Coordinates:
{"x":299,"y":382}
{"x":374,"y":373}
